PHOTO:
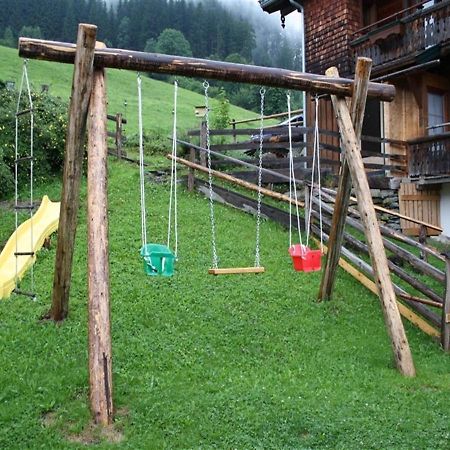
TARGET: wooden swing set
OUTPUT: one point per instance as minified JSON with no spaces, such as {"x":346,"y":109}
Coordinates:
{"x":88,"y":99}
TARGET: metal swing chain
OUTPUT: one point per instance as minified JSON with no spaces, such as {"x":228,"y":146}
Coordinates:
{"x":262,"y":93}
{"x":16,"y":172}
{"x":215,"y":261}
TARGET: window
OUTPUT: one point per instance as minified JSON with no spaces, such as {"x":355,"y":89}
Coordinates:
{"x":436,"y":112}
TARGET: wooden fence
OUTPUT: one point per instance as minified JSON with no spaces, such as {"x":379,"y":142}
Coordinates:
{"x":117,"y":135}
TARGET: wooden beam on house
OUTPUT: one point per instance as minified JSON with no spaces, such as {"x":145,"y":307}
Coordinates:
{"x":362,"y":75}
{"x":100,"y":352}
{"x":203,"y":68}
{"x":83,"y":56}
{"x":352,"y":148}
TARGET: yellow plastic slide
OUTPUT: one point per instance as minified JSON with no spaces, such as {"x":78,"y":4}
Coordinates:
{"x":44,"y":222}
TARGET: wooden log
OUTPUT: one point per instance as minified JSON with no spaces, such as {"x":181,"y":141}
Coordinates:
{"x":201,"y":68}
{"x":399,"y":341}
{"x":234,"y":180}
{"x":445,"y":323}
{"x":73,"y":165}
{"x":362,"y":75}
{"x":100,"y":353}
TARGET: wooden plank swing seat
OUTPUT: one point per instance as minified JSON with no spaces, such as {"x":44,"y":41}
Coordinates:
{"x":236,"y":270}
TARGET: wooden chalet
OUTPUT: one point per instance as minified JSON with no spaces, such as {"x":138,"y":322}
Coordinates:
{"x":409,"y":43}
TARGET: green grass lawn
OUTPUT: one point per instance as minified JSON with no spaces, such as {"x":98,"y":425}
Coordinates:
{"x":213,"y":362}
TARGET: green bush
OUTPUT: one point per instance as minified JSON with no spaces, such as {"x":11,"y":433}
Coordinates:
{"x":156,"y":142}
{"x":50,"y":123}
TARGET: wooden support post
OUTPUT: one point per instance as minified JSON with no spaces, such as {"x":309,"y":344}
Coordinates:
{"x":119,"y":141}
{"x":100,"y":365}
{"x":191,"y":173}
{"x":445,"y":328}
{"x":352,"y":148}
{"x":362,"y":75}
{"x":73,"y":164}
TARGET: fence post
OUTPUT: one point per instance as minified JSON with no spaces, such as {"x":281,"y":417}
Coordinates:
{"x":233,"y":123}
{"x":445,"y":327}
{"x":119,"y":143}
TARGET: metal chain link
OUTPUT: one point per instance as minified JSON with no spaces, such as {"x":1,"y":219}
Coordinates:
{"x":215,"y":260}
{"x":262,"y":93}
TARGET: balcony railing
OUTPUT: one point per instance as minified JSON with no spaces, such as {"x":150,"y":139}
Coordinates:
{"x":408,"y":34}
{"x":429,"y":156}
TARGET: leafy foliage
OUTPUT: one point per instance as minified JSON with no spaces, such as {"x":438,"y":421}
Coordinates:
{"x":50,"y":121}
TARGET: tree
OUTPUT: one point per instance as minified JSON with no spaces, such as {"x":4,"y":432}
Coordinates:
{"x":8,"y":38}
{"x":173,"y":42}
{"x":221,"y":114}
{"x":123,"y":33}
{"x":30,"y":32}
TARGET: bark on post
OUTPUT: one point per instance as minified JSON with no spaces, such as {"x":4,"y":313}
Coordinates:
{"x":100,"y":365}
{"x":73,"y":165}
{"x":362,"y":74}
{"x":394,"y":325}
{"x":445,"y":328}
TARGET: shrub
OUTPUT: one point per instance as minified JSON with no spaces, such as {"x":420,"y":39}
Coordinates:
{"x":50,"y":123}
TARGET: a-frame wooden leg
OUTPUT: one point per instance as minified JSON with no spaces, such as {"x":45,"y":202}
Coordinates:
{"x":362,"y":74}
{"x":394,"y":325}
{"x":73,"y":167}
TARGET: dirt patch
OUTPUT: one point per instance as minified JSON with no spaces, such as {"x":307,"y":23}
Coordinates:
{"x":95,"y":434}
{"x":48,"y":419}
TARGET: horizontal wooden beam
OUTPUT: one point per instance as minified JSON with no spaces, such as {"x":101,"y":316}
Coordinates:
{"x":202,"y":68}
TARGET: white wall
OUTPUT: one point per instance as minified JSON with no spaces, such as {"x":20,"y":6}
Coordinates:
{"x":445,"y":209}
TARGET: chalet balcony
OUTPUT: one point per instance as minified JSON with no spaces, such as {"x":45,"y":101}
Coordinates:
{"x":412,"y":36}
{"x":429,"y":158}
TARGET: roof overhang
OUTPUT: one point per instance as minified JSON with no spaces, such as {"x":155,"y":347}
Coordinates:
{"x":271,"y":6}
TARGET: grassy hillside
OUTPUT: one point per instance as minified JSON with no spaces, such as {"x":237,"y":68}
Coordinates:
{"x":213,"y":362}
{"x":157,"y":95}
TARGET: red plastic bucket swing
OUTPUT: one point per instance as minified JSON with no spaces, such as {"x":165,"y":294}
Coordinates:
{"x":305,"y":259}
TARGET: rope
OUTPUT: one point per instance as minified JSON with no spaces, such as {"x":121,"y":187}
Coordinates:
{"x":173,"y":177}
{"x":25,"y":81}
{"x":258,"y":213}
{"x":215,"y":261}
{"x":141,"y":165}
{"x":292,"y":181}
{"x":316,"y":161}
